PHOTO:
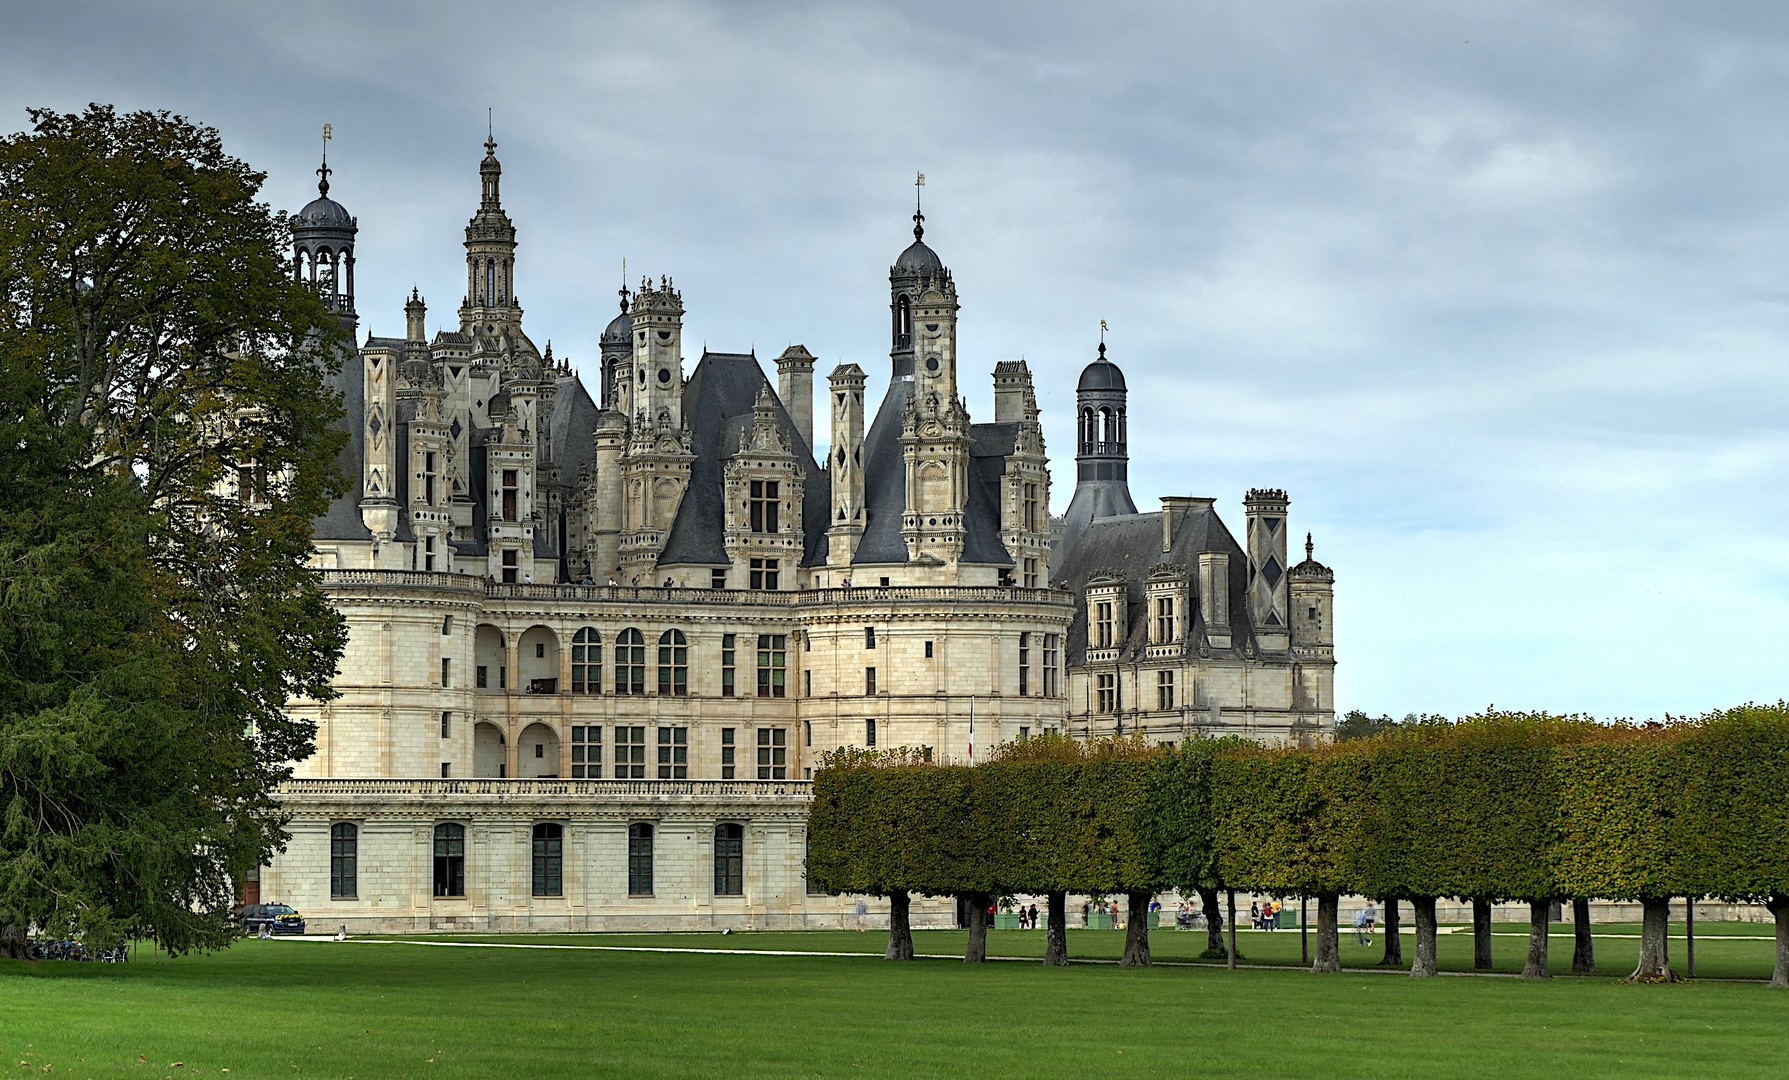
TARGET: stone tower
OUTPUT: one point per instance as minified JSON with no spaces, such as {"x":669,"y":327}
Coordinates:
{"x":1102,"y":457}
{"x":795,"y":387}
{"x":323,"y":249}
{"x":934,"y":425}
{"x":1266,"y":512}
{"x":846,"y":465}
{"x":490,"y":314}
{"x":617,"y":348}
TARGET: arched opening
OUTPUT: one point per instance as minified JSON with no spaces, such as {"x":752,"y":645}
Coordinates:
{"x":1119,"y":436}
{"x":487,"y":751}
{"x":488,"y":674}
{"x":491,"y":282}
{"x":538,"y":660}
{"x":537,"y":752}
{"x":729,"y":859}
{"x":903,"y":328}
{"x":1105,"y":428}
{"x":587,"y":661}
{"x":673,"y":664}
{"x":1086,"y":431}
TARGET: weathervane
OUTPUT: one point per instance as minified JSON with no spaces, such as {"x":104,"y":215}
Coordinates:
{"x":323,"y":171}
{"x":1102,"y":339}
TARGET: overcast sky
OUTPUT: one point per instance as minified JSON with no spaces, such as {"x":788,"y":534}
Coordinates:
{"x":1496,"y":291}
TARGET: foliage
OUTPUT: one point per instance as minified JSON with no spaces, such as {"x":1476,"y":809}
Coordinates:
{"x":1284,"y":819}
{"x":1733,"y":816}
{"x":156,"y":615}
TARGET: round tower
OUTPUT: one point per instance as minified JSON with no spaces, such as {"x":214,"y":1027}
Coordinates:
{"x":323,"y":248}
{"x":490,"y":310}
{"x":617,"y":348}
{"x":1102,"y":459}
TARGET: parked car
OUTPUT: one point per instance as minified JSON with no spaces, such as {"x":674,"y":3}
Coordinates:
{"x":280,"y":918}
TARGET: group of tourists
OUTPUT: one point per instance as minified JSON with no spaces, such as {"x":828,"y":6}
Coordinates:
{"x":1266,"y":915}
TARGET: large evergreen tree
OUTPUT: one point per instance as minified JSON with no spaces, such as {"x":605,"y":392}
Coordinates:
{"x":165,"y":441}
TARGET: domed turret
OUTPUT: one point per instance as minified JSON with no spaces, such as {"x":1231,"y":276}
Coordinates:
{"x":1102,"y":374}
{"x":617,"y":349}
{"x":917,"y":273}
{"x":323,"y":247}
{"x":1102,"y":460}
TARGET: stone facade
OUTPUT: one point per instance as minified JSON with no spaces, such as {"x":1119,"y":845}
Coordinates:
{"x":586,"y":628}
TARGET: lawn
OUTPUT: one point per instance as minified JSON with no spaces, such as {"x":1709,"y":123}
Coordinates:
{"x":323,"y":1009}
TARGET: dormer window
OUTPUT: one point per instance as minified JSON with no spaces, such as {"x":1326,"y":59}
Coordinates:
{"x":509,"y":495}
{"x":763,"y":506}
{"x":1163,"y":628}
{"x":1104,"y":627}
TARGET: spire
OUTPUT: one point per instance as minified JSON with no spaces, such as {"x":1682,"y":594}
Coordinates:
{"x":919,"y":219}
{"x":323,"y":172}
{"x":491,"y":172}
{"x":1307,"y":547}
{"x":623,"y":291}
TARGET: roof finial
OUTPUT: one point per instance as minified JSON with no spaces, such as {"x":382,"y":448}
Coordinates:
{"x":490,"y":132}
{"x":624,"y":284}
{"x":1102,"y":341}
{"x":323,"y":183}
{"x":1307,"y":547}
{"x":919,"y":219}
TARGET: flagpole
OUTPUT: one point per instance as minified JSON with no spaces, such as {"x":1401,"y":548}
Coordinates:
{"x":972,"y":730}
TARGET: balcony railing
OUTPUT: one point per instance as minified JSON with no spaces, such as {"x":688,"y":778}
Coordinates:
{"x":658,"y":594}
{"x":429,"y":579}
{"x":525,"y":788}
{"x":1011,"y":594}
{"x":637,"y":594}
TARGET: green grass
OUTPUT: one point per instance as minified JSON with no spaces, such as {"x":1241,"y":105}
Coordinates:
{"x":301,"y":1009}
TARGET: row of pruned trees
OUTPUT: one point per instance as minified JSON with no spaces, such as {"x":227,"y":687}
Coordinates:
{"x":1495,"y":807}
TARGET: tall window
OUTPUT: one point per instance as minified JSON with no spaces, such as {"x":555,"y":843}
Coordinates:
{"x":1031,"y":573}
{"x":765,"y":574}
{"x":729,"y":860}
{"x":428,"y":479}
{"x":1103,"y":629}
{"x":1024,"y":664}
{"x":630,"y":753}
{"x":509,"y":568}
{"x":673,"y":664}
{"x":549,"y":860}
{"x":586,"y":753}
{"x":639,"y":859}
{"x":869,"y":637}
{"x":773,"y":753}
{"x":509,"y":495}
{"x":1164,"y":690}
{"x":729,"y":663}
{"x":727,"y":748}
{"x":1031,"y":508}
{"x":344,"y":861}
{"x":869,"y":732}
{"x":630,"y":662}
{"x":869,"y":682}
{"x":1052,"y":646}
{"x":450,"y":860}
{"x":673,"y":753}
{"x":446,"y":671}
{"x":1164,"y":619}
{"x":447,"y":725}
{"x":772,"y":659}
{"x":1108,"y":693}
{"x":587,"y":661}
{"x":763,"y":505}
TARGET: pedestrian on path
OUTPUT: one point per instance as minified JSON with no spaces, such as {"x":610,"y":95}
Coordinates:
{"x":1364,"y":922}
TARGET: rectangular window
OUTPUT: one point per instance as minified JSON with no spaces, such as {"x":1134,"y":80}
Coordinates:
{"x":509,"y":568}
{"x":773,"y":754}
{"x":807,"y":733}
{"x":673,"y":753}
{"x":446,"y":672}
{"x":869,"y":732}
{"x":717,"y":579}
{"x":1052,"y":646}
{"x":586,"y":753}
{"x":765,"y":574}
{"x":1164,"y":619}
{"x":729,"y":655}
{"x":763,"y":506}
{"x":1108,"y":693}
{"x":772,"y":659}
{"x":450,"y":859}
{"x":1024,"y":665}
{"x":1024,"y":734}
{"x":928,"y":650}
{"x":807,"y":684}
{"x":869,"y":637}
{"x":869,"y":682}
{"x":639,"y":859}
{"x":446,"y":725}
{"x":428,"y":489}
{"x":482,"y":677}
{"x":549,"y":860}
{"x":1102,"y":622}
{"x":727,"y":748}
{"x":502,"y":677}
{"x":344,"y":861}
{"x":630,"y":753}
{"x":446,"y":770}
{"x":1031,"y":573}
{"x":428,"y":547}
{"x":729,"y":860}
{"x":1030,"y":513}
{"x":509,"y":495}
{"x":1164,"y":690}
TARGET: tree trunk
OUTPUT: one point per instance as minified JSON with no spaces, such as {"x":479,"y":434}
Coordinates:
{"x":977,"y":951}
{"x":1394,"y":944}
{"x":900,"y":926}
{"x":1583,"y":949}
{"x":1655,"y":955}
{"x":1779,"y":906}
{"x":1539,"y":912}
{"x":1136,"y":932}
{"x":1424,"y":966}
{"x":1481,"y":934}
{"x":1056,"y":934}
{"x":1231,"y":960}
{"x":1214,"y":926}
{"x":1689,"y":936}
{"x":14,"y":945}
{"x":1329,"y":951}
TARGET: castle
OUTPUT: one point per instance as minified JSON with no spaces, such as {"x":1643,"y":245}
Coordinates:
{"x":597,"y":642}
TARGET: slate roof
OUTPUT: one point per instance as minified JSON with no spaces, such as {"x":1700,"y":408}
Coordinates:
{"x":342,"y":520}
{"x":1131,"y":544}
{"x":885,"y":480}
{"x":573,"y":421}
{"x":718,"y":401}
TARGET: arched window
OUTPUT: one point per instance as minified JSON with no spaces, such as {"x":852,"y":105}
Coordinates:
{"x":729,"y":860}
{"x":1087,"y":430}
{"x":344,"y":861}
{"x":491,"y":282}
{"x":1105,"y":427}
{"x":587,"y":661}
{"x":903,"y":323}
{"x":673,"y":664}
{"x":630,"y":662}
{"x":549,"y":860}
{"x":639,"y":859}
{"x":450,"y":860}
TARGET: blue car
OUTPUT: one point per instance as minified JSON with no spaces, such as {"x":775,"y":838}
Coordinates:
{"x":277,"y":918}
